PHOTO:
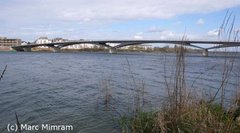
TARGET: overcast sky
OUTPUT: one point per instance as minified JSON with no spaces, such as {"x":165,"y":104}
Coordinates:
{"x":115,"y":19}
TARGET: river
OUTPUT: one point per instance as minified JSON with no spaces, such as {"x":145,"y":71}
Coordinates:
{"x":68,"y":88}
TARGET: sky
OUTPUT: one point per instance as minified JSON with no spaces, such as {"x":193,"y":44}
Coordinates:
{"x":116,"y":19}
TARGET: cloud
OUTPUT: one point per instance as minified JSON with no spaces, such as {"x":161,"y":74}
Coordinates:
{"x":213,"y":32}
{"x":97,"y":15}
{"x":154,"y":29}
{"x":138,"y":36}
{"x":167,"y":35}
{"x":200,"y":21}
{"x":162,"y":34}
{"x":75,"y":10}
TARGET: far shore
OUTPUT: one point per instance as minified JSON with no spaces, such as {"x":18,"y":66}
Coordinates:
{"x":154,"y":50}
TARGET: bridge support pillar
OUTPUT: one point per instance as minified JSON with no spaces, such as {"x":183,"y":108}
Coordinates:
{"x":205,"y":53}
{"x":27,"y":49}
{"x":56,"y":49}
{"x":17,"y":49}
{"x":112,"y":50}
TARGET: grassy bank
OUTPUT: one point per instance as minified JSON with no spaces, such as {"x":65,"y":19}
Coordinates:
{"x":200,"y":117}
{"x":183,"y":110}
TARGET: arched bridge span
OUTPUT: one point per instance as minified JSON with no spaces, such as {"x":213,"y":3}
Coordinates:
{"x":124,"y":43}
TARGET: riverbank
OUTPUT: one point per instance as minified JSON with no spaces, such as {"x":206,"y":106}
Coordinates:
{"x":5,"y":48}
{"x":130,"y":49}
{"x":184,"y":109}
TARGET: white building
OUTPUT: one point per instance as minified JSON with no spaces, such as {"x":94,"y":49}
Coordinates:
{"x":24,"y":43}
{"x":138,"y":47}
{"x":43,"y":40}
{"x":58,"y":39}
{"x":82,"y":46}
{"x":147,"y":47}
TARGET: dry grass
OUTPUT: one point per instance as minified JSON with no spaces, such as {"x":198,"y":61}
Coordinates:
{"x":3,"y":72}
{"x":183,"y":110}
{"x":105,"y":92}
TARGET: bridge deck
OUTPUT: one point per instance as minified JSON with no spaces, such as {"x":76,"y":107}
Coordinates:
{"x":123,"y":43}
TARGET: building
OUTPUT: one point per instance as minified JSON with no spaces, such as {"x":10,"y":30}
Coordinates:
{"x":43,"y":40}
{"x":25,"y":43}
{"x":58,"y":39}
{"x":5,"y":42}
{"x":82,"y":46}
{"x":142,"y":47}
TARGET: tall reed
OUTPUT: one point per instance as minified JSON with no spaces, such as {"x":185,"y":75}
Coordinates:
{"x":183,"y":110}
{"x":3,"y":72}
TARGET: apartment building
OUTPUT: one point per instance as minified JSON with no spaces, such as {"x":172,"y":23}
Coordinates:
{"x":4,"y":41}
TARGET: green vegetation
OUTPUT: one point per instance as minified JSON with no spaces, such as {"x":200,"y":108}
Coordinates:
{"x":141,"y":122}
{"x":183,"y":111}
{"x":202,"y":117}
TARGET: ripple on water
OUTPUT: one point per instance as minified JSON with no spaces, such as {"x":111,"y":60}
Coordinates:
{"x":66,"y":88}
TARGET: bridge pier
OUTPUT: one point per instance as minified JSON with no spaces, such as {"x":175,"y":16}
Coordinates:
{"x":27,"y":49}
{"x":18,"y":49}
{"x":112,"y":50}
{"x":56,"y":49}
{"x":205,"y":53}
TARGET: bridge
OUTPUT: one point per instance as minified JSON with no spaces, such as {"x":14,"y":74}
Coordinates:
{"x":123,"y":43}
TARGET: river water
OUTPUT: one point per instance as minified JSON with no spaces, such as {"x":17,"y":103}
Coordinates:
{"x":69,"y":88}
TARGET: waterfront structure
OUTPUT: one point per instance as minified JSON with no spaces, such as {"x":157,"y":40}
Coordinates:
{"x":81,"y":46}
{"x":43,"y":40}
{"x":24,"y":43}
{"x":58,"y":39}
{"x":143,"y":47}
{"x":46,"y":40}
{"x":124,"y":43}
{"x":4,"y":41}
